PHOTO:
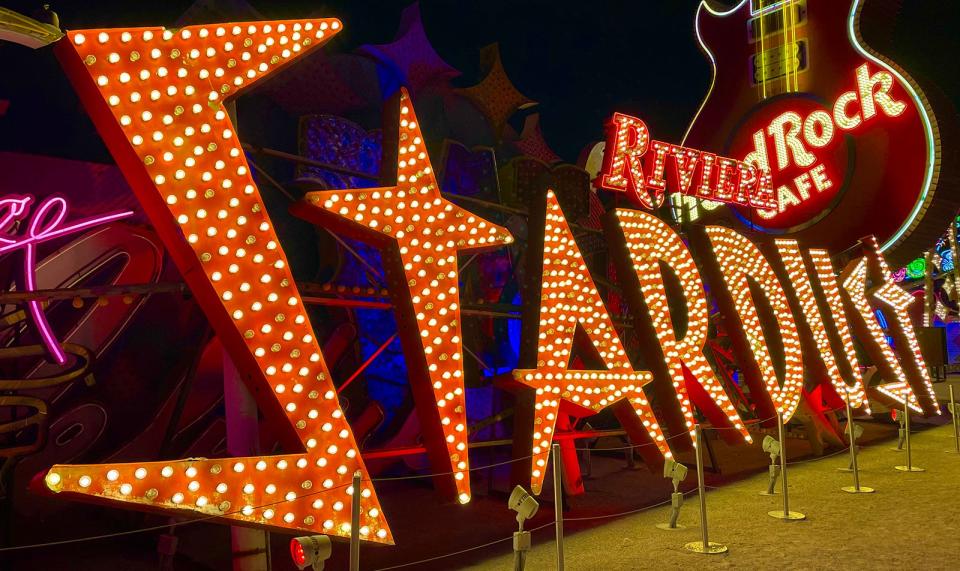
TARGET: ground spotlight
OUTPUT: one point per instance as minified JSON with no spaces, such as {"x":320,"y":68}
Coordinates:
{"x":526,"y":507}
{"x":772,"y":447}
{"x":676,"y":472}
{"x":857,"y":433}
{"x":524,"y":504}
{"x":310,"y":550}
{"x":898,"y":416}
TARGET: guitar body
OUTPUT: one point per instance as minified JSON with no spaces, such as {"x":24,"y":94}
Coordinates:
{"x":849,"y":138}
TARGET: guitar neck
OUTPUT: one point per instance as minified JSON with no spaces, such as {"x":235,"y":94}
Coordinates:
{"x":777,"y":34}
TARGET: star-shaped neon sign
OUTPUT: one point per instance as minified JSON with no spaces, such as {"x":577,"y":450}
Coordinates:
{"x":421,"y":233}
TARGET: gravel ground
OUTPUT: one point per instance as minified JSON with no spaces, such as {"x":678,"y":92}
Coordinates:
{"x":909,"y":523}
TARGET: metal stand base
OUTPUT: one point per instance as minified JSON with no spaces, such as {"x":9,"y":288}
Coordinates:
{"x":667,"y":527}
{"x":896,"y":449}
{"x":951,"y":452}
{"x":847,"y":470}
{"x":787,"y":516}
{"x":764,"y":493}
{"x":909,"y":469}
{"x":711,"y":548}
{"x":860,"y":490}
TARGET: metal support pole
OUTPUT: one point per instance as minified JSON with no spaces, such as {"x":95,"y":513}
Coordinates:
{"x":784,"y":514}
{"x":355,"y":523}
{"x":856,"y":488}
{"x":521,"y":546}
{"x":906,"y":420}
{"x":676,"y":502}
{"x":774,"y":471}
{"x":909,"y":466}
{"x":558,"y":503}
{"x":250,"y":546}
{"x":956,"y":422}
{"x":704,"y":545}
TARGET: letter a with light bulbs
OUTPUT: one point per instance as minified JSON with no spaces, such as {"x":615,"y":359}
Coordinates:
{"x":157,"y":98}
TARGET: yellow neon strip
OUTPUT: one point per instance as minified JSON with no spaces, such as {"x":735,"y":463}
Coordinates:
{"x":795,"y":46}
{"x":792,"y":46}
{"x":783,"y":47}
{"x":763,"y":56}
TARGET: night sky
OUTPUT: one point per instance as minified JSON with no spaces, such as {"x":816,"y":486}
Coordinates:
{"x":580,"y":60}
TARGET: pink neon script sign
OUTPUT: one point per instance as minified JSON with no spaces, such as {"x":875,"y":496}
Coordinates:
{"x":45,"y":223}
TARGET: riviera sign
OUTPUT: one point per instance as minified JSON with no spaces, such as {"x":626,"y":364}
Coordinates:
{"x":628,"y":168}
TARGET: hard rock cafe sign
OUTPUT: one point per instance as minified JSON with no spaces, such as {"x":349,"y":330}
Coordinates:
{"x":852,"y":143}
{"x":157,"y":97}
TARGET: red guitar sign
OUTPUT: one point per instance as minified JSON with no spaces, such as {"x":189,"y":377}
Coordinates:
{"x":840,"y":129}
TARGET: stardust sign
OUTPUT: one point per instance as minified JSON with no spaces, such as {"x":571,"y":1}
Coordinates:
{"x":157,"y":97}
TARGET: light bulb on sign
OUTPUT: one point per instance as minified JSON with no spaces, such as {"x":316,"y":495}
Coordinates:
{"x":157,"y":96}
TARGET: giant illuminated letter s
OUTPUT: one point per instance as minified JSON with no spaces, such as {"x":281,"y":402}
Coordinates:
{"x":157,"y":98}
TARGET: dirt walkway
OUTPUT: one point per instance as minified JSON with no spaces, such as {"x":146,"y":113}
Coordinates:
{"x":911,"y":522}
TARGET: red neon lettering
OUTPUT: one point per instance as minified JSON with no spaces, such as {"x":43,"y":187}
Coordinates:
{"x":628,"y":140}
{"x":685,"y":162}
{"x":727,"y":178}
{"x":656,"y":179}
{"x":763,"y":197}
{"x":706,"y":174}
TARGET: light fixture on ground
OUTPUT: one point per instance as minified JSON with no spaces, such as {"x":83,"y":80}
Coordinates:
{"x":772,"y":447}
{"x":526,"y":507}
{"x":310,"y":551}
{"x":902,"y":432}
{"x":857,"y":433}
{"x":678,"y":473}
